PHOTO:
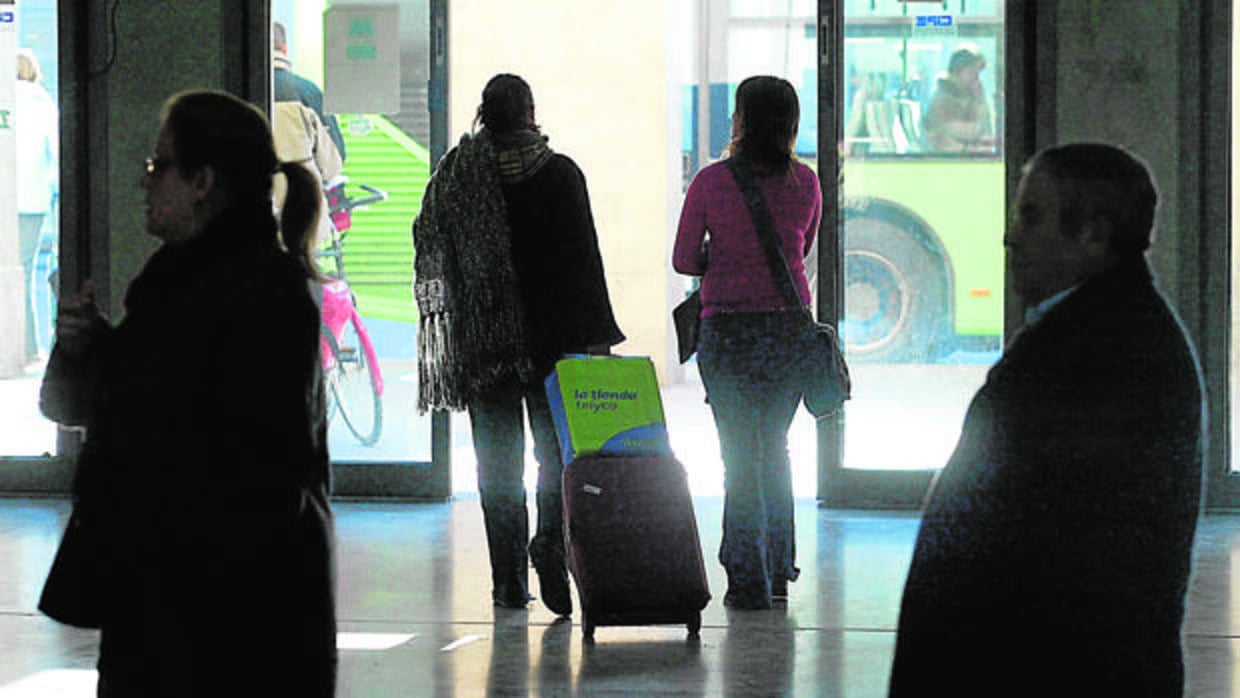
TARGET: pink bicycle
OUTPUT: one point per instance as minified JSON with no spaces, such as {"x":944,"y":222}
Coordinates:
{"x":350,"y":365}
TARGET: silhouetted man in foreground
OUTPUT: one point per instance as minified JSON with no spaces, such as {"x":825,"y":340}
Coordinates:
{"x":1055,"y":548}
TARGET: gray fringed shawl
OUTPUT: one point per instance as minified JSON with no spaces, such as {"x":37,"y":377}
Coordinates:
{"x":470,"y":331}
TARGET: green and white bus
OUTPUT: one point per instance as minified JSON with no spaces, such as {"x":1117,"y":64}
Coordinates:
{"x":923,"y":230}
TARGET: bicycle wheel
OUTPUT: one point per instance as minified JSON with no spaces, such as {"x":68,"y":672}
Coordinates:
{"x":330,"y":362}
{"x":352,"y":385}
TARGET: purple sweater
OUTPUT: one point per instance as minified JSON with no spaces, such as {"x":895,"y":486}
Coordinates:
{"x":737,"y":277}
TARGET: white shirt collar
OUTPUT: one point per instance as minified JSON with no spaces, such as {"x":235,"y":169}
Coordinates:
{"x":1035,"y":313}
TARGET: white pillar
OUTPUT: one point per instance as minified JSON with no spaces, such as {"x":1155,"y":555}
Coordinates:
{"x":607,"y":92}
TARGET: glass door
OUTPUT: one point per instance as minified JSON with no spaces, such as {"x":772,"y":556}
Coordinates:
{"x":910,"y":251}
{"x":29,"y":226}
{"x":378,"y":442}
{"x":919,"y":120}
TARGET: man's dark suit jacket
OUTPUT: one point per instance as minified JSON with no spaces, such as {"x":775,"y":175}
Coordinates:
{"x":1054,"y":553}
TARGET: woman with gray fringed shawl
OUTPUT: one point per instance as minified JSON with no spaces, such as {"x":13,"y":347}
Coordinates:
{"x":509,"y":279}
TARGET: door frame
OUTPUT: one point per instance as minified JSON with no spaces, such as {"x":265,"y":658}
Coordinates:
{"x":1208,"y":78}
{"x":1024,"y":25}
{"x":417,"y":480}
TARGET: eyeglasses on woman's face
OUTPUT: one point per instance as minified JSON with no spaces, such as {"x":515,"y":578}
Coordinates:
{"x":154,"y":165}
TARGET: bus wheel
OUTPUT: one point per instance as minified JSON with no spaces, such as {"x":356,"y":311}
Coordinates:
{"x":895,"y":293}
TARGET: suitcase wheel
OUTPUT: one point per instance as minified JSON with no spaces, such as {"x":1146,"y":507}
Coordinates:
{"x":587,"y":627}
{"x":695,"y":624}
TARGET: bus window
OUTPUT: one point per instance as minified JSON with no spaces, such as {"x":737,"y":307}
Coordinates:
{"x":923,"y":218}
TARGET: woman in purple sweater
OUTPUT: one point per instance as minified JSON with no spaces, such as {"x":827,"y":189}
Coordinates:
{"x":751,"y":340}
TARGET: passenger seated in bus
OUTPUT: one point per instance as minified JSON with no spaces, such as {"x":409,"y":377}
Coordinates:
{"x":958,"y":118}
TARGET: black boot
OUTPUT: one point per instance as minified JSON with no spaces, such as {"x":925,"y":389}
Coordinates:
{"x":552,"y":578}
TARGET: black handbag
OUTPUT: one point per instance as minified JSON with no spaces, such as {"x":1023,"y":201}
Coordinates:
{"x":827,"y":383}
{"x":687,"y":317}
{"x":73,"y":591}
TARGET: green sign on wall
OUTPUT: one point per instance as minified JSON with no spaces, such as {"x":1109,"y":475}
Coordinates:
{"x":361,"y":59}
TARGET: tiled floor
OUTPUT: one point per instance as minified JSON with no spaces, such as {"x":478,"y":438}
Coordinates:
{"x":416,"y":618}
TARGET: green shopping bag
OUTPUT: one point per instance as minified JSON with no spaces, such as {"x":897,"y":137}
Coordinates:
{"x":607,"y":405}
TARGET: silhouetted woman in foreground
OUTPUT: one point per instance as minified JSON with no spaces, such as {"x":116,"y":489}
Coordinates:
{"x":205,"y":467}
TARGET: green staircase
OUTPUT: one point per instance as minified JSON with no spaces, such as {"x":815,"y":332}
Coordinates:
{"x":378,"y":251}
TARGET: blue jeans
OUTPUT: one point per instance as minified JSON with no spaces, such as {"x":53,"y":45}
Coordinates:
{"x":499,"y":443}
{"x":750,"y":365}
{"x":29,"y":226}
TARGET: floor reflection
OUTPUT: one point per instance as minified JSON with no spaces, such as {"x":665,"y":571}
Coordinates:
{"x":758,"y":653}
{"x":416,"y":619}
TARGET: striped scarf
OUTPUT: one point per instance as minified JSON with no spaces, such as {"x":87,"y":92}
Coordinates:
{"x":521,"y":154}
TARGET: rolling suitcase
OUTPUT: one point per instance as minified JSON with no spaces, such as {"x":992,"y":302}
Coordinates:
{"x":632,"y":541}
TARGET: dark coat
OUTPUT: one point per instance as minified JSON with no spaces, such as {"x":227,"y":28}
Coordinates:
{"x":1054,"y":553}
{"x":559,"y":267}
{"x":206,"y":468}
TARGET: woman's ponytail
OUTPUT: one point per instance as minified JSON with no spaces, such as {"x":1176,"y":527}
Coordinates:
{"x":299,"y":219}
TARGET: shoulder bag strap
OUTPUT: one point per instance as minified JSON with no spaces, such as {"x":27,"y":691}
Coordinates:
{"x":765,"y":224}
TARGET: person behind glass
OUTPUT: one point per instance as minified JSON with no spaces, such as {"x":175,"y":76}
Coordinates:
{"x":509,"y":279}
{"x":302,"y":138}
{"x":291,"y":87}
{"x":1056,"y":545}
{"x":37,"y":131}
{"x":751,"y":342}
{"x":205,"y":467}
{"x":958,"y":117}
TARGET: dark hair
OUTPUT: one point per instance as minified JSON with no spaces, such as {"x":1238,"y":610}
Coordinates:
{"x":768,"y":110}
{"x":1097,"y":181}
{"x":217,"y":130}
{"x":507,"y":103}
{"x":963,"y":58}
